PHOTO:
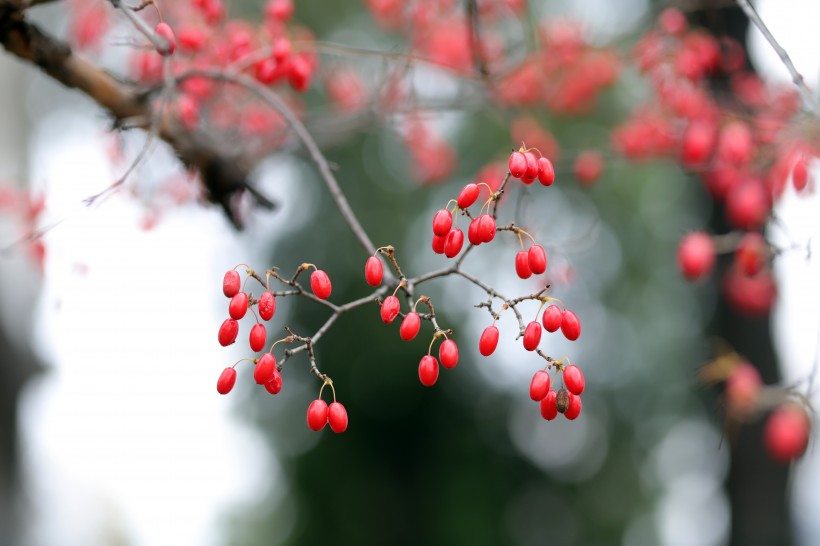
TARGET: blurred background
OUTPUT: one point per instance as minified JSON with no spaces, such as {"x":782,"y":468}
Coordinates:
{"x":110,"y":427}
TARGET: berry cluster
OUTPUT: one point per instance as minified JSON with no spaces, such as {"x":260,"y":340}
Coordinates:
{"x":567,"y":400}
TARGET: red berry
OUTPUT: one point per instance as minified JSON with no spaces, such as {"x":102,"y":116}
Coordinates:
{"x":742,"y":388}
{"x":696,"y":255}
{"x":165,"y":31}
{"x":409,"y":326}
{"x":238,"y":306}
{"x":448,"y":353}
{"x":588,"y":167}
{"x":486,"y":228}
{"x":540,"y":385}
{"x":265,"y":369}
{"x":698,"y":142}
{"x":574,"y":408}
{"x":230,"y":283}
{"x":522,"y":265}
{"x":551,"y":319}
{"x":517,"y":164}
{"x":317,"y":414}
{"x":454,"y":242}
{"x":532,"y":168}
{"x":549,"y":410}
{"x":299,"y":72}
{"x":546,"y":173}
{"x":751,"y":253}
{"x":473,"y":232}
{"x":537,"y":258}
{"x":337,"y":417}
{"x":735,"y":145}
{"x":428,"y":370}
{"x":257,"y":337}
{"x":574,"y":379}
{"x":488,"y":341}
{"x":390,"y":309}
{"x":275,"y":384}
{"x":373,"y":271}
{"x":442,"y":222}
{"x":320,"y":284}
{"x":748,"y":205}
{"x":439,"y":244}
{"x":228,"y":332}
{"x":532,"y":335}
{"x":570,"y":325}
{"x":800,"y":174}
{"x":267,"y":305}
{"x":786,"y":433}
{"x":468,"y":195}
{"x":226,"y":381}
{"x":280,"y":10}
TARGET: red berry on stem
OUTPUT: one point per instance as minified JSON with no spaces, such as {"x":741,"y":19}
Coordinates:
{"x":540,"y":385}
{"x":238,"y":306}
{"x":448,"y":353}
{"x":551,"y":319}
{"x":546,"y":173}
{"x":442,"y":222}
{"x":165,"y":31}
{"x":317,"y":414}
{"x":522,"y":265}
{"x":320,"y":284}
{"x":337,"y":417}
{"x":409,"y":326}
{"x":267,"y":305}
{"x":549,"y":409}
{"x":800,"y":174}
{"x":275,"y":384}
{"x":517,"y":164}
{"x":786,"y":433}
{"x":751,"y":253}
{"x":257,"y":337}
{"x":453,"y":243}
{"x":574,"y":408}
{"x":574,"y":379}
{"x":537,"y":258}
{"x":373,"y":271}
{"x":230,"y":283}
{"x":532,"y":335}
{"x":748,"y":205}
{"x":486,"y":228}
{"x":468,"y":195}
{"x":696,"y":255}
{"x":228,"y":332}
{"x":570,"y":325}
{"x":265,"y":369}
{"x":226,"y":381}
{"x":390,"y":309}
{"x":439,"y":243}
{"x":474,"y":232}
{"x":428,"y":370}
{"x":488,"y":341}
{"x":532,"y":168}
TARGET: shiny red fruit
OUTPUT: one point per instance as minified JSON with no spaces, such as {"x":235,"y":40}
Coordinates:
{"x":537,"y":258}
{"x":546,"y":173}
{"x":517,"y":164}
{"x":531,"y":172}
{"x":274,"y":386}
{"x":238,"y":306}
{"x":574,"y":379}
{"x":486,"y":228}
{"x":532,"y":336}
{"x":748,"y":205}
{"x":522,"y":265}
{"x":337,"y":417}
{"x":320,"y":284}
{"x":317,"y":414}
{"x":549,"y":409}
{"x":540,"y":385}
{"x":454,"y":242}
{"x":165,"y":31}
{"x":230,"y":283}
{"x":442,"y":222}
{"x":448,"y":353}
{"x":267,"y":305}
{"x":570,"y":325}
{"x":257,"y":337}
{"x":390,"y":309}
{"x":574,"y":408}
{"x":474,"y":232}
{"x":409,"y":326}
{"x":265,"y":369}
{"x":438,"y":244}
{"x":228,"y":332}
{"x":373,"y":271}
{"x":786,"y":433}
{"x":488,"y":341}
{"x":468,"y":195}
{"x":696,"y":255}
{"x":551,"y":319}
{"x":428,"y":370}
{"x":226,"y":381}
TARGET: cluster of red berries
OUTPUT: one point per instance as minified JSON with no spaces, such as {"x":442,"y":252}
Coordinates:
{"x":567,"y":400}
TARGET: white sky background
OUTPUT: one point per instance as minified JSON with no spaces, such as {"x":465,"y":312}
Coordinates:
{"x":126,"y":437}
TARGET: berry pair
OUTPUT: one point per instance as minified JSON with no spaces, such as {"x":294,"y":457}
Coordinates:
{"x":428,"y":366}
{"x":319,"y":414}
{"x":554,"y":318}
{"x":531,"y":261}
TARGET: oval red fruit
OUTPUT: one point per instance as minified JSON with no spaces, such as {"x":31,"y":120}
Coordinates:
{"x":468,"y":195}
{"x":226,"y":381}
{"x":532,"y":168}
{"x":540,"y":385}
{"x":488,"y":341}
{"x":454,"y":242}
{"x":442,"y":222}
{"x":337,"y":417}
{"x":448,"y":353}
{"x":438,"y":244}
{"x":517,"y":164}
{"x":522,"y":265}
{"x":786,"y":433}
{"x":532,"y":336}
{"x":275,"y":384}
{"x":546,"y":173}
{"x":574,"y":379}
{"x":320,"y":284}
{"x":800,"y":174}
{"x":428,"y":370}
{"x":574,"y":408}
{"x":751,"y":253}
{"x":409,"y":326}
{"x":165,"y":31}
{"x":373,"y":271}
{"x":257,"y":337}
{"x":696,"y":255}
{"x":486,"y":228}
{"x":748,"y":205}
{"x":238,"y":306}
{"x":570,"y":325}
{"x":537,"y":258}
{"x":267,"y":305}
{"x":317,"y":414}
{"x":230,"y":283}
{"x":390,"y":309}
{"x":549,"y":409}
{"x":228,"y":332}
{"x":551,"y":319}
{"x":474,"y":232}
{"x":265,"y":369}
